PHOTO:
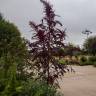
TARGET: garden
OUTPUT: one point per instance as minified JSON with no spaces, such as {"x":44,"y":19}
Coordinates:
{"x":34,"y":67}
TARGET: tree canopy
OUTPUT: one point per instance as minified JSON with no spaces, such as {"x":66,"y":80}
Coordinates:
{"x":13,"y":53}
{"x":10,"y":40}
{"x":90,"y":45}
{"x":1,"y":17}
{"x":12,"y":49}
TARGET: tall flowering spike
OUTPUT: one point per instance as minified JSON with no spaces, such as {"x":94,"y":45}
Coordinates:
{"x":49,"y":12}
{"x":48,"y":37}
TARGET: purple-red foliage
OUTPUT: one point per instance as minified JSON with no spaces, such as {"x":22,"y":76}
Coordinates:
{"x":47,"y":36}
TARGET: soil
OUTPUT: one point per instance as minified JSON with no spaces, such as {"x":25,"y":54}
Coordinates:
{"x":80,"y":83}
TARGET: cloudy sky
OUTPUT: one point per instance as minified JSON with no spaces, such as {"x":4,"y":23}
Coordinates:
{"x":76,"y":16}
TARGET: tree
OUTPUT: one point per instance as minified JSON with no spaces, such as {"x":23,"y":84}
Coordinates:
{"x":1,"y":17}
{"x":11,"y":44}
{"x":13,"y":52}
{"x":48,"y":36}
{"x":90,"y":45}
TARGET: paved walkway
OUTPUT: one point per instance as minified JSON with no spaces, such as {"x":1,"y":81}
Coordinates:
{"x":80,"y":83}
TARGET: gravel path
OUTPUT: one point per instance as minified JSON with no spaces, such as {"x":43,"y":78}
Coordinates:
{"x":80,"y":83}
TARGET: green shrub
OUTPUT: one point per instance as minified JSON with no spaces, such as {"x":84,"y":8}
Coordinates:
{"x":92,"y":58}
{"x":39,"y":88}
{"x":90,"y":61}
{"x":94,"y":64}
{"x":29,"y":88}
{"x":62,"y":61}
{"x":87,"y":63}
{"x":83,"y":61}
